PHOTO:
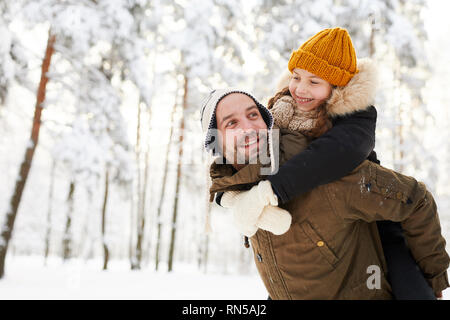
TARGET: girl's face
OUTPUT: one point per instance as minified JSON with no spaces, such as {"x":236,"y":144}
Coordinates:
{"x":308,"y":90}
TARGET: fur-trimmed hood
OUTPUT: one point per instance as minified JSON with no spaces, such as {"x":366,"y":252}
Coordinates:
{"x":357,"y":95}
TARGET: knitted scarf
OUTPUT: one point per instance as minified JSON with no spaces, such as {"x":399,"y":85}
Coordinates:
{"x":287,"y":116}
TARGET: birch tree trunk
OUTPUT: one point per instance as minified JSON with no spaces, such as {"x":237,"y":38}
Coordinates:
{"x":140,"y":236}
{"x":11,"y":214}
{"x":67,"y":240}
{"x":141,"y":192}
{"x":135,"y":254}
{"x":104,"y":242}
{"x":177,"y":189}
{"x":131,"y":239}
{"x":144,"y":216}
{"x":164,"y":180}
{"x":49,"y":212}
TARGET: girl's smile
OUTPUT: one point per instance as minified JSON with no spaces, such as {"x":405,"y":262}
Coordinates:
{"x":301,"y":100}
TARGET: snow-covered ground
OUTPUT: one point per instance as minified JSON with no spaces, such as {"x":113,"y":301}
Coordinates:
{"x":28,"y":278}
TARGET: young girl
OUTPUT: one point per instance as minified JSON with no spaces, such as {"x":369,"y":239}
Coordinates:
{"x":327,"y":85}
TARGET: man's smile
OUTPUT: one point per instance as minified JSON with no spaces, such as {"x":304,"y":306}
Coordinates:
{"x":250,"y":142}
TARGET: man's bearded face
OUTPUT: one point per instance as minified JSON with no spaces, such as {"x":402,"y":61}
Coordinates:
{"x":242,"y":130}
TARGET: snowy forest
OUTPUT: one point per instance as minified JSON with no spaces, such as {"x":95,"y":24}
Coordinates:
{"x":104,"y":179}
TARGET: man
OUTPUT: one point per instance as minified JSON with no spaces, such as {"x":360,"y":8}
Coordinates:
{"x":333,"y":241}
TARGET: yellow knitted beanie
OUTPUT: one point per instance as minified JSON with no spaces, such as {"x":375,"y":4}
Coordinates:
{"x":329,"y":54}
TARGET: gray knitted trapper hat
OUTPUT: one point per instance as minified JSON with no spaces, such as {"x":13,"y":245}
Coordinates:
{"x":208,"y":113}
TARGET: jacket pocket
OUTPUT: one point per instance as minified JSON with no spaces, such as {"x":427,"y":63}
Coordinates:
{"x":319,"y":242}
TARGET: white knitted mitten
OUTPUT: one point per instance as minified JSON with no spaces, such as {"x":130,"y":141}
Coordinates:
{"x":275,"y":220}
{"x":256,"y":208}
